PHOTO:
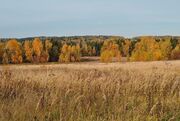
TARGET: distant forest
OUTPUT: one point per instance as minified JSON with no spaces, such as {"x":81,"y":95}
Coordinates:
{"x":71,"y":49}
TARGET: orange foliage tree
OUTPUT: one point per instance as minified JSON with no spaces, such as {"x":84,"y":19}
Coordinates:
{"x":44,"y":57}
{"x":48,"y":47}
{"x":28,"y":51}
{"x":1,"y":51}
{"x":109,"y":51}
{"x":13,"y":52}
{"x":175,"y":54}
{"x":37,"y":49}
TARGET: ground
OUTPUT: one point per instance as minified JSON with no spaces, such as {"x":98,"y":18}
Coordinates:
{"x":90,"y":90}
{"x":52,"y":70}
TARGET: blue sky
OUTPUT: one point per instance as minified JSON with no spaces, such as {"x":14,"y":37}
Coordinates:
{"x":25,"y":18}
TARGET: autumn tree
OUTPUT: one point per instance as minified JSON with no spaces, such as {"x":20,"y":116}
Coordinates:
{"x":54,"y":53}
{"x":2,"y":46}
{"x":166,"y":48}
{"x":175,"y":54}
{"x":147,"y":49}
{"x":126,"y":47}
{"x":77,"y":52}
{"x":28,"y":51}
{"x":89,"y":50}
{"x":94,"y":51}
{"x":64,"y":54}
{"x":48,"y":45}
{"x":37,"y":49}
{"x":45,"y":52}
{"x":13,"y":52}
{"x":6,"y":58}
{"x":84,"y":49}
{"x":70,"y":53}
{"x":73,"y":53}
{"x":109,"y":51}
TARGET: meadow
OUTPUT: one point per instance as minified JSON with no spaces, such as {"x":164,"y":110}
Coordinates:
{"x":91,"y":91}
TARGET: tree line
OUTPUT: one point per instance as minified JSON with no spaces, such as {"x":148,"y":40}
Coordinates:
{"x":71,"y":49}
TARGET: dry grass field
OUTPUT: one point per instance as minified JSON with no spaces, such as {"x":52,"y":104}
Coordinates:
{"x":91,"y":91}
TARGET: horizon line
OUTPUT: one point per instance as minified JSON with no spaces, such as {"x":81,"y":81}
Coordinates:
{"x":85,"y":35}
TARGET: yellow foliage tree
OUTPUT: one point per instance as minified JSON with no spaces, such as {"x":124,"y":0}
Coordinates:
{"x":70,"y":53}
{"x":147,"y":49}
{"x":28,"y":50}
{"x":65,"y":54}
{"x":13,"y":50}
{"x":166,"y":48}
{"x":109,"y":51}
{"x":75,"y":53}
{"x":6,"y":58}
{"x":78,"y":53}
{"x":126,"y":47}
{"x":48,"y":46}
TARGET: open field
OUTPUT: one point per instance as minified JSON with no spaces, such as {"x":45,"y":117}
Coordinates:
{"x":91,"y":91}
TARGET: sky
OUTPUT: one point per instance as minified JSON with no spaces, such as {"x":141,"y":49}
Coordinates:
{"x":129,"y":18}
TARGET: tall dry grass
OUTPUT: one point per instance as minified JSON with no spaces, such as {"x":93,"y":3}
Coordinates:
{"x":90,"y":94}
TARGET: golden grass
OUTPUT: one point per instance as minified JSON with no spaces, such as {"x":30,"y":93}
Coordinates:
{"x":137,"y":91}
